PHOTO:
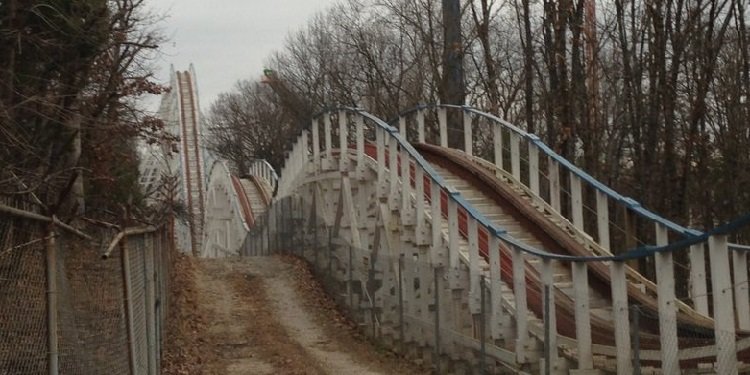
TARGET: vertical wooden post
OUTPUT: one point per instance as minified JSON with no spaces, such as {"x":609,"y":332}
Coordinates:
{"x":698,"y":285}
{"x":582,"y":315}
{"x":420,"y":126}
{"x":621,"y":318}
{"x":468,"y":138}
{"x":602,"y":219}
{"x":724,"y":331}
{"x":360,"y":125}
{"x":406,"y":207}
{"x":381,"y":144}
{"x":443,"y":124}
{"x":497,"y":140}
{"x":496,"y":290}
{"x":343,"y":141}
{"x":534,"y":170}
{"x":453,"y":235}
{"x":550,"y":318}
{"x":128,"y":295}
{"x":328,"y":141}
{"x":739,"y":263}
{"x":393,"y":194}
{"x":515,"y":155}
{"x":474,"y":272}
{"x":420,"y":206}
{"x":667,"y":305}
{"x":576,"y":201}
{"x":519,"y":292}
{"x":554,"y":184}
{"x":438,"y":257}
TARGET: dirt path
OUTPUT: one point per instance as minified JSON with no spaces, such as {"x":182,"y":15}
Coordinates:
{"x":256,"y":322}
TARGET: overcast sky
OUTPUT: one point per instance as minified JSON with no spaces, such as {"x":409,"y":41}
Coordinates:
{"x":227,"y":40}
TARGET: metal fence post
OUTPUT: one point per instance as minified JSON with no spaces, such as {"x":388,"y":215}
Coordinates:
{"x":52,"y":358}
{"x":401,"y":302}
{"x":128,"y":295}
{"x":436,"y":272}
{"x":482,"y":326}
{"x":150,"y":305}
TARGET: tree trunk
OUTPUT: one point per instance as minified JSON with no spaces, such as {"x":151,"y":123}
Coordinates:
{"x":453,"y":85}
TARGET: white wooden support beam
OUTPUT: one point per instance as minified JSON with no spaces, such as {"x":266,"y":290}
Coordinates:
{"x":359,"y":123}
{"x":522,"y":311}
{"x":551,"y":319}
{"x":534,"y":170}
{"x":515,"y":155}
{"x":468,"y":138}
{"x":453,"y":234}
{"x":554,"y":184}
{"x":402,"y":127}
{"x":393,"y":192}
{"x":582,"y":315}
{"x":438,"y":255}
{"x":496,"y":290}
{"x":420,"y":205}
{"x":739,"y":263}
{"x":420,"y":126}
{"x":316,"y":143}
{"x":349,"y":208}
{"x":602,"y":219}
{"x":407,"y":217}
{"x":381,"y":144}
{"x":576,"y":201}
{"x":621,"y":317}
{"x":474,"y":271}
{"x":724,"y":330}
{"x":497,"y":140}
{"x":343,"y":141}
{"x":667,"y":305}
{"x":443,"y":124}
{"x":328,"y":142}
{"x":698,"y":284}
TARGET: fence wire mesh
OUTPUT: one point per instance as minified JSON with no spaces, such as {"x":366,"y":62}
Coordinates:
{"x":84,"y":296}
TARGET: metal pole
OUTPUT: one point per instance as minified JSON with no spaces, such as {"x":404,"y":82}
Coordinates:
{"x":547,"y":338}
{"x":401,"y":302}
{"x":636,"y":338}
{"x":150,"y":306}
{"x":482,"y":327}
{"x":437,"y":318}
{"x":128,"y":295}
{"x":52,"y":302}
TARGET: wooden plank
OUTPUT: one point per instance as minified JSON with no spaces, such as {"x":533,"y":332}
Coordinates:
{"x":522,"y":311}
{"x":468,"y":138}
{"x":602,"y":220}
{"x":576,"y":201}
{"x":724,"y":331}
{"x":620,"y":315}
{"x":443,"y":124}
{"x":582,"y":315}
{"x":698,"y":284}
{"x":667,"y":305}
{"x":739,"y":263}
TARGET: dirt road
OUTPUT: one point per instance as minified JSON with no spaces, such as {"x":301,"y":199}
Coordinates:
{"x":259,"y":316}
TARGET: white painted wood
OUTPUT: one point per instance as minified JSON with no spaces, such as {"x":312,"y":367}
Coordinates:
{"x":496,"y":290}
{"x":534,"y":169}
{"x":443,"y":124}
{"x":522,"y":311}
{"x":453,"y":234}
{"x":515,"y":155}
{"x":547,"y":280}
{"x":739,"y":263}
{"x":576,"y":200}
{"x":724,"y":330}
{"x":438,"y":254}
{"x":602,"y":219}
{"x":406,"y":189}
{"x":351,"y":210}
{"x":316,"y":143}
{"x":420,"y":204}
{"x":582,"y":315}
{"x":698,"y":284}
{"x":402,"y":127}
{"x":667,"y":305}
{"x":554,"y":183}
{"x":474,"y":272}
{"x":381,"y":144}
{"x":468,"y":138}
{"x":393,"y":192}
{"x":621,"y":317}
{"x":327,"y":136}
{"x":497,"y":140}
{"x":359,"y":122}
{"x":343,"y":141}
{"x":420,"y":126}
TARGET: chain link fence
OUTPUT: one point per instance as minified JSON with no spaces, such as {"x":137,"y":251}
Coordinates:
{"x":67,"y":309}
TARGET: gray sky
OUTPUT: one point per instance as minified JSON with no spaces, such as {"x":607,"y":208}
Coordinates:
{"x":227,"y":40}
